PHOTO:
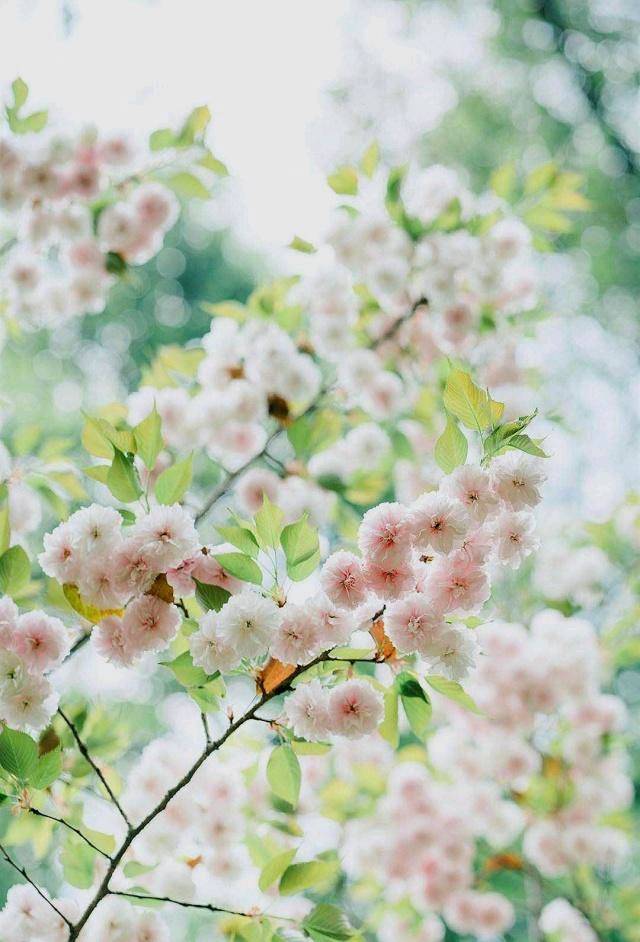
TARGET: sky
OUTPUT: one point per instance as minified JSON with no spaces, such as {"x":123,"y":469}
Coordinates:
{"x":260,"y":65}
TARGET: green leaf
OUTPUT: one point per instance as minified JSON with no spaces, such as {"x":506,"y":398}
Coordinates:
{"x":240,"y":566}
{"x":268,"y":522}
{"x":388,"y":729}
{"x":453,"y":691}
{"x":47,"y":770}
{"x":283,"y":774}
{"x":344,"y":181}
{"x":451,"y":448}
{"x":540,"y":178}
{"x":231,"y":309}
{"x":319,"y":874}
{"x":241,"y":537}
{"x":301,"y":548}
{"x":303,"y":748}
{"x":211,"y":597}
{"x":99,"y":437}
{"x":524,"y":443}
{"x":18,"y":754}
{"x":274,"y":868}
{"x":148,"y":438}
{"x":5,"y":524}
{"x":301,"y":245}
{"x":188,"y":186}
{"x":98,"y":472}
{"x":174,"y":482}
{"x":468,"y":403}
{"x":78,"y":860}
{"x":20,"y":91}
{"x":185,"y":670}
{"x":89,"y":612}
{"x":311,"y":433}
{"x":209,"y":162}
{"x":416,"y":703}
{"x":122,"y":478}
{"x":370,"y":159}
{"x":327,"y":923}
{"x":15,"y":570}
{"x":503,"y":180}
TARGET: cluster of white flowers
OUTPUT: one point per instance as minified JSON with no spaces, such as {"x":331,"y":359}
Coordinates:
{"x":27,"y":917}
{"x":468,"y":277}
{"x":249,"y":372}
{"x":78,"y":213}
{"x":545,"y":730}
{"x":421,"y":846}
{"x":31,"y":645}
{"x":544,"y":715}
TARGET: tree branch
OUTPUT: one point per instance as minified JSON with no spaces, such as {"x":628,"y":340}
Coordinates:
{"x":203,"y":906}
{"x":85,"y":753}
{"x":67,"y":824}
{"x":103,"y":889}
{"x":23,"y":873}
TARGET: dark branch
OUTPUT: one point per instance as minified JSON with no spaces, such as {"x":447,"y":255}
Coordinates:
{"x":85,"y":753}
{"x":71,"y":827}
{"x":23,"y":873}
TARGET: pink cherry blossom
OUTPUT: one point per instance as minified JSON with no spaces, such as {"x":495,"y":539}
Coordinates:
{"x":343,"y":580}
{"x":355,"y":709}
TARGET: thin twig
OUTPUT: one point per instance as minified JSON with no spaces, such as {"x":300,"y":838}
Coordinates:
{"x":85,"y":753}
{"x":26,"y":876}
{"x":205,"y":726}
{"x":209,"y":907}
{"x":71,"y":827}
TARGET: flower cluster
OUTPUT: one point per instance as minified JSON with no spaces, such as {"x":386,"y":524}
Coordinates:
{"x":31,"y":645}
{"x":248,"y":372}
{"x":64,"y":260}
{"x":113,"y":567}
{"x":535,"y":774}
{"x":432,"y":282}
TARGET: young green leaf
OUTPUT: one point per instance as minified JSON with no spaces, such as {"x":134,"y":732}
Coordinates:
{"x":148,"y":438}
{"x":122,"y":478}
{"x":452,"y":447}
{"x":370,"y":159}
{"x":47,"y":770}
{"x":318,"y":874}
{"x":416,"y":703}
{"x":78,"y":860}
{"x":174,"y":482}
{"x":283,"y":774}
{"x":240,"y":566}
{"x":15,"y":570}
{"x":18,"y":754}
{"x":274,"y":868}
{"x":327,"y":923}
{"x":468,"y":403}
{"x":301,"y":548}
{"x":388,"y":729}
{"x":211,"y":597}
{"x":241,"y":537}
{"x":344,"y":181}
{"x":268,"y":520}
{"x":452,"y":690}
